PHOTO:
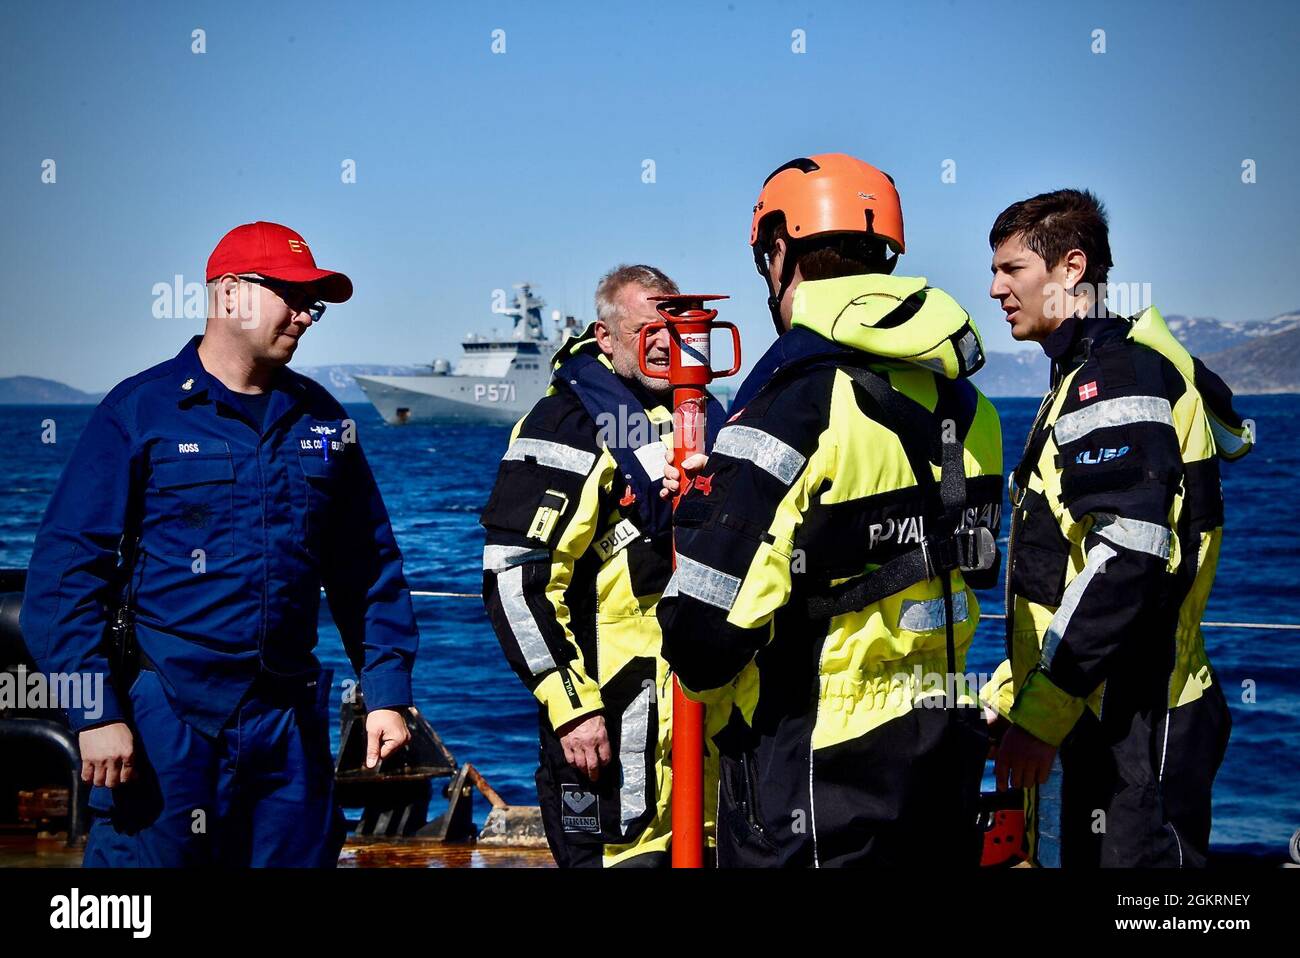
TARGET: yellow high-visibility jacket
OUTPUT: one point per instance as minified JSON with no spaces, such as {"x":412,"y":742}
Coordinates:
{"x":832,"y":753}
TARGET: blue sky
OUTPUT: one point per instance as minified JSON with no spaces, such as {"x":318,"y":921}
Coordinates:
{"x":476,"y":170}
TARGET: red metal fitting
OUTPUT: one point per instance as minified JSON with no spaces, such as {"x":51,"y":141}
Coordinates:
{"x":689,"y":323}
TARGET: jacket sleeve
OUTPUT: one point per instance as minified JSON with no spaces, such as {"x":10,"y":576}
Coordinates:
{"x":1121,"y":470}
{"x":540,"y":520}
{"x":367,"y":591}
{"x":997,"y":692}
{"x":72,"y":577}
{"x":734,"y":537}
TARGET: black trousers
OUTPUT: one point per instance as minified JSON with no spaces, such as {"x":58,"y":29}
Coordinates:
{"x":904,"y":795}
{"x":1136,"y":786}
{"x":579,"y":816}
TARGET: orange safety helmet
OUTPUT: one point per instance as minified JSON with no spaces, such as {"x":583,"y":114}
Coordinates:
{"x":826,"y":193}
{"x":831,"y":193}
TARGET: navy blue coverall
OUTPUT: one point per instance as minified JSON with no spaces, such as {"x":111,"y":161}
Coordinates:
{"x":239,"y":528}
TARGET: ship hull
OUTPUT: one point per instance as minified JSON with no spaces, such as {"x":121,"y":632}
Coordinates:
{"x":403,"y":400}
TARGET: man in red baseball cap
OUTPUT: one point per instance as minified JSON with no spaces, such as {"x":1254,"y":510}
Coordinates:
{"x":264,"y":275}
{"x":212,"y":497}
{"x":276,"y":252}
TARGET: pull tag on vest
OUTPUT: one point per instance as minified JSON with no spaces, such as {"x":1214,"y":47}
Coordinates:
{"x":614,"y":541}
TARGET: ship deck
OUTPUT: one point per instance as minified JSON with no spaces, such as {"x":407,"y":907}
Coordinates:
{"x":27,"y":850}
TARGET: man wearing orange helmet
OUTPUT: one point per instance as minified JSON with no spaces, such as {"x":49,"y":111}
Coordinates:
{"x":827,"y":549}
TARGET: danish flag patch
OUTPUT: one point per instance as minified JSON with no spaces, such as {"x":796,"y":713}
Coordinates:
{"x":1088,"y":391}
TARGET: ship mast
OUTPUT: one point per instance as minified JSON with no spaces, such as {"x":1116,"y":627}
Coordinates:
{"x":527,"y":313}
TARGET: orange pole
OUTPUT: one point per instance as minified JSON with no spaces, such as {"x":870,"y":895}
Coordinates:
{"x":689,"y":324}
{"x":689,"y":426}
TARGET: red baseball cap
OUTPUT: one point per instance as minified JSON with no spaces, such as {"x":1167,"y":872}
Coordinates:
{"x":277,"y":252}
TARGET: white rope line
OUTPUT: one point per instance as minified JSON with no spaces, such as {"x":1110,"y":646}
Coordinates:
{"x":1285,"y":626}
{"x":1282,"y":626}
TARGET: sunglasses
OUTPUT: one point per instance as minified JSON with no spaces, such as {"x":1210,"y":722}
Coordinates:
{"x":296,"y":296}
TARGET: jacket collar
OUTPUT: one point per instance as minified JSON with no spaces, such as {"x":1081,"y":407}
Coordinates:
{"x":1070,"y":344}
{"x":584,"y":344}
{"x":796,"y":345}
{"x":194,"y":384}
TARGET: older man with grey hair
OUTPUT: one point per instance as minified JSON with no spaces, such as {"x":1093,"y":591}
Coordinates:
{"x":623,"y":306}
{"x":578,"y":552}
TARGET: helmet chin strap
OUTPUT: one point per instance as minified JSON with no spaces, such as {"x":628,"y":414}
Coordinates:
{"x":788,"y":264}
{"x":774,"y":296}
{"x":774,"y":307}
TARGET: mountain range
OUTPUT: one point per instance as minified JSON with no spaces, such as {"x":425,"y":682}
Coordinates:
{"x":1252,"y":357}
{"x":34,"y":391}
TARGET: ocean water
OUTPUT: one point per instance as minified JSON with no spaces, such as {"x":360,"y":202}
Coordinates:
{"x":435,"y":480}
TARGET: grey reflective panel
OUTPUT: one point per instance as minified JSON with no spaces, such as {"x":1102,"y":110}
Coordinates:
{"x":922,"y":615}
{"x":554,"y":454}
{"x":1134,"y":534}
{"x":501,"y":558}
{"x":1112,"y":412}
{"x":1228,"y":441}
{"x":1097,"y":558}
{"x":969,"y":345}
{"x":510,"y":589}
{"x":762,"y":449}
{"x":705,"y":583}
{"x":634,"y":734}
{"x":670,"y":590}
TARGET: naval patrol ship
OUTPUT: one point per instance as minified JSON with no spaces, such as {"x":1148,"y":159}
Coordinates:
{"x":498,"y":378}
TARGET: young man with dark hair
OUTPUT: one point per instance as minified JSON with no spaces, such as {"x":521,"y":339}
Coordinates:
{"x":1116,"y":522}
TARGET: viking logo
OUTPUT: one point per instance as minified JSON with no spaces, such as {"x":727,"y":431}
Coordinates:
{"x":579,"y":801}
{"x":575,"y":802}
